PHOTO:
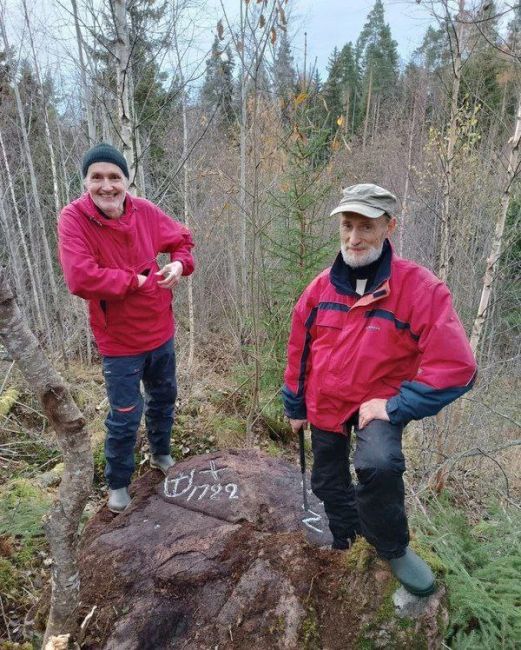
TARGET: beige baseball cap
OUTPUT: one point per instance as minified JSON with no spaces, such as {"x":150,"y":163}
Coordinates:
{"x":368,"y":200}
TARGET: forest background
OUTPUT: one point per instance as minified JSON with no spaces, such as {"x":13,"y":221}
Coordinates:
{"x":250,"y":147}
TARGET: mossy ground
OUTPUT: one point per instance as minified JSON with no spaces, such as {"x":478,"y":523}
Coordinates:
{"x":212,"y":415}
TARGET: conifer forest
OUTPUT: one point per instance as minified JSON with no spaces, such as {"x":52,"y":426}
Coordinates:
{"x":249,"y":144}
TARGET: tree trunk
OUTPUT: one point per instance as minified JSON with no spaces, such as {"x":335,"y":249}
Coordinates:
{"x":87,"y":94}
{"x":41,"y":319}
{"x":61,"y":525}
{"x":367,"y":108}
{"x":446,"y":225}
{"x":242,"y":167}
{"x":495,"y":251}
{"x":405,"y":201}
{"x":123,"y":89}
{"x":37,"y":208}
{"x":46,"y":120}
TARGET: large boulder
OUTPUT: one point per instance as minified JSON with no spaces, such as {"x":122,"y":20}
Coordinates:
{"x":220,"y":554}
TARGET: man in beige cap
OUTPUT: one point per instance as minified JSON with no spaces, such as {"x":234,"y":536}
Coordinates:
{"x":374,"y":343}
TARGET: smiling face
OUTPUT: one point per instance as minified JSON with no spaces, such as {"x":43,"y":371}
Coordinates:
{"x":362,"y":238}
{"x":107,"y":186}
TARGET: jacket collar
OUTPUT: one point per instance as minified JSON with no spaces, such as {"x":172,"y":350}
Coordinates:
{"x":339,"y":273}
{"x":86,"y":205}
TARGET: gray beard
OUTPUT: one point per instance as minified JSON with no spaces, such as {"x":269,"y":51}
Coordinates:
{"x":355,"y":261}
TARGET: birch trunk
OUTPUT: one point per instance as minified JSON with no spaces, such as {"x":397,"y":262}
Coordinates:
{"x":446,"y":225}
{"x":367,"y":108}
{"x":46,"y":121}
{"x":186,"y":203}
{"x":242,"y":166}
{"x":123,"y":88}
{"x":495,"y":251}
{"x":405,"y":201}
{"x":37,"y":209}
{"x":41,"y":318}
{"x":87,"y":94}
{"x":12,"y":247}
{"x":61,"y":525}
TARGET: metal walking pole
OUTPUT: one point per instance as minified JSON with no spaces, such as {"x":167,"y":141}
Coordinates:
{"x":303,"y":467}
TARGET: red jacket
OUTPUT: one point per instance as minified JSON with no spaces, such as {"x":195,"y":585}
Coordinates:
{"x":401,"y":341}
{"x":101,"y":259}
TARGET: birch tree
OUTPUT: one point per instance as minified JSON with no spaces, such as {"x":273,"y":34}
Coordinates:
{"x":457,"y":44}
{"x":62,"y":523}
{"x":496,"y":247}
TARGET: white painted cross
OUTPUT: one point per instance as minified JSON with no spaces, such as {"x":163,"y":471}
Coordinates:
{"x":214,"y":471}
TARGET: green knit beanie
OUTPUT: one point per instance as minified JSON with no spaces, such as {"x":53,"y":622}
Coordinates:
{"x":104,"y":153}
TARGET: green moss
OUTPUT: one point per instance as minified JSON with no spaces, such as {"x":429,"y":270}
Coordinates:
{"x":310,"y":633}
{"x":427,"y":554}
{"x":29,"y":551}
{"x":7,"y":400}
{"x":274,"y":450}
{"x":9,"y":645}
{"x":360,"y":556}
{"x":8,"y":575}
{"x":22,"y":507}
{"x":99,"y":463}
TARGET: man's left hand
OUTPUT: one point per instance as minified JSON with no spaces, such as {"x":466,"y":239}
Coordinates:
{"x":171,"y":273}
{"x":374,"y":409}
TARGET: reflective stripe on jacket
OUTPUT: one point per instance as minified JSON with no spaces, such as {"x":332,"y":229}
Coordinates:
{"x":401,"y":341}
{"x":101,"y":259}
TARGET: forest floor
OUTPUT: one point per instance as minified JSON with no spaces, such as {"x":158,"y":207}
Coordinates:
{"x":211,"y":415}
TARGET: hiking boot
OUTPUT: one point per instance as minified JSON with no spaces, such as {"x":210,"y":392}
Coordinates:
{"x":118,"y":500}
{"x":414,"y":574}
{"x":162,"y":462}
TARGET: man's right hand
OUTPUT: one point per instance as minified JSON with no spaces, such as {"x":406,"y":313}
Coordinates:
{"x":297,"y":425}
{"x":141,"y":279}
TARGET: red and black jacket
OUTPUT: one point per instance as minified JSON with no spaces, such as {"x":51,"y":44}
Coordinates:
{"x":401,"y":341}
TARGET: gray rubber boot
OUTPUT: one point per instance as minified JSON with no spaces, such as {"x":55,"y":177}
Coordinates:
{"x":118,"y":500}
{"x":414,"y":574}
{"x":162,"y":462}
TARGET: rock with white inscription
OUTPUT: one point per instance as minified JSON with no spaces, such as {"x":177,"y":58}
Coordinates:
{"x":220,"y":554}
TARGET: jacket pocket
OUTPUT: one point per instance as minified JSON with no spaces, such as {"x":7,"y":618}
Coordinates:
{"x":104,"y":309}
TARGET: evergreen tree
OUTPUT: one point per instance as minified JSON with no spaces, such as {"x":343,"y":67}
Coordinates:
{"x":434,"y":52}
{"x":341,"y":87}
{"x":514,"y":32}
{"x":376,"y":57}
{"x":217,"y":90}
{"x":284,"y":76}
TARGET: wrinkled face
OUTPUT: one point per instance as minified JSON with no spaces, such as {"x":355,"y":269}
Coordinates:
{"x":362,"y":238}
{"x":107,"y":186}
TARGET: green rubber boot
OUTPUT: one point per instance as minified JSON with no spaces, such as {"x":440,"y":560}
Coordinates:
{"x":414,"y":574}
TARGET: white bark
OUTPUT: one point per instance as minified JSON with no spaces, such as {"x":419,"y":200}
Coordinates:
{"x":41,"y":318}
{"x":87,"y":94}
{"x":61,"y":525}
{"x":495,"y":250}
{"x":45,"y":114}
{"x":123,"y":73}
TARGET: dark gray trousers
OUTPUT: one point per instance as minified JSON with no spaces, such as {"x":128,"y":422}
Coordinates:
{"x":374,"y":508}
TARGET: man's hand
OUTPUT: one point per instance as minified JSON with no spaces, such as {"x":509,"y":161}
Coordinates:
{"x":374,"y":409}
{"x":141,"y":279}
{"x":297,"y":425}
{"x":171,"y":273}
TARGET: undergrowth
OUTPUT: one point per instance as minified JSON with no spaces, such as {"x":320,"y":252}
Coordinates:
{"x":483,"y":566}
